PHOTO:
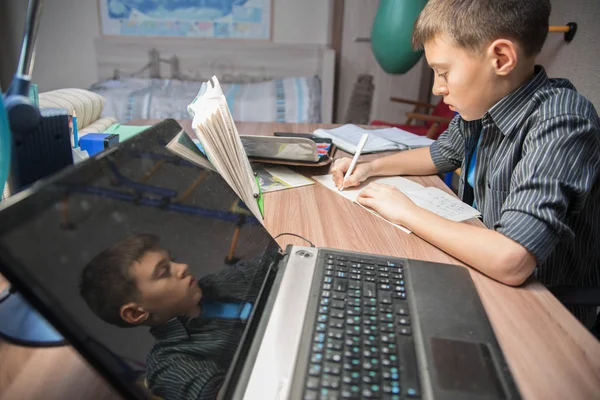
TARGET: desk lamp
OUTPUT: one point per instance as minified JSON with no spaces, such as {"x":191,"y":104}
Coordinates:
{"x":33,"y":145}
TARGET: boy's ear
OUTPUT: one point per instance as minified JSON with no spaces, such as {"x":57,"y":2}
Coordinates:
{"x":134,"y":313}
{"x":503,"y":53}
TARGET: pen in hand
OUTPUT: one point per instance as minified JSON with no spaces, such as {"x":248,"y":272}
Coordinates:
{"x":361,"y":144}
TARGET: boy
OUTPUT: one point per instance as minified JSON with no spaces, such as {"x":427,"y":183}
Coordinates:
{"x":528,"y":147}
{"x":136,"y":282}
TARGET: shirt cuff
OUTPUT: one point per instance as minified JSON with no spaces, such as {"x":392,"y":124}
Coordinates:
{"x":529,"y":231}
{"x":441,"y":163}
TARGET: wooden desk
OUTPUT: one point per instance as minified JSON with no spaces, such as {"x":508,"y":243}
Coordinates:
{"x":551,"y":355}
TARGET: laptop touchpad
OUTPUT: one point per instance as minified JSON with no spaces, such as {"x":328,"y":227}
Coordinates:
{"x":465,"y":367}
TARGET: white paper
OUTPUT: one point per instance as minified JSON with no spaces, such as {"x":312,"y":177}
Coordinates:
{"x":430,"y":198}
{"x":443,"y":204}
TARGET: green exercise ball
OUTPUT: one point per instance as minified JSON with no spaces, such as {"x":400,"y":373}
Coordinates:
{"x":391,"y":34}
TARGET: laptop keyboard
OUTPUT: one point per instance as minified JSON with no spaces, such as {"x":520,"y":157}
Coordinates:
{"x":362,"y":345}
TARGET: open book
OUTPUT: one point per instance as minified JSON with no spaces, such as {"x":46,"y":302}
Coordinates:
{"x":214,"y":127}
{"x":430,"y":198}
{"x":346,"y":137}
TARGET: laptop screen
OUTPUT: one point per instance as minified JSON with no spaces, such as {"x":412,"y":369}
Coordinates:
{"x":149,"y":265}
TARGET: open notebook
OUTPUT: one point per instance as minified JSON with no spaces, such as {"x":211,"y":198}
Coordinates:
{"x":430,"y":198}
{"x":346,"y":137}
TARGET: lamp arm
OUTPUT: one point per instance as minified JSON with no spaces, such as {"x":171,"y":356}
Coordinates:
{"x":22,"y":78}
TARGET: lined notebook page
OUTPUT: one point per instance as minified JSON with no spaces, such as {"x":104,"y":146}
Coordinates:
{"x":432,"y":199}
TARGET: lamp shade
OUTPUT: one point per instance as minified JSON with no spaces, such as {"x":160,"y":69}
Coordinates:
{"x":391,"y":34}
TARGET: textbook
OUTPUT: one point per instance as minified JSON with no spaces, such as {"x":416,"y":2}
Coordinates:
{"x":273,"y":178}
{"x":185,"y":147}
{"x":221,"y":144}
{"x":430,"y":198}
{"x":346,"y":137}
{"x":270,"y":178}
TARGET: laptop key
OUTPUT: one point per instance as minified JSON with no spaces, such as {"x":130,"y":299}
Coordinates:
{"x":311,"y":395}
{"x":405,"y":331}
{"x":336,"y":323}
{"x":369,"y":290}
{"x":314,"y":370}
{"x":340,"y":304}
{"x":385,"y":297}
{"x":334,"y":344}
{"x":312,"y":382}
{"x":331,"y":368}
{"x":402,"y":310}
{"x":350,"y":391}
{"x":339,"y":296}
{"x":330,"y":381}
{"x":332,"y":355}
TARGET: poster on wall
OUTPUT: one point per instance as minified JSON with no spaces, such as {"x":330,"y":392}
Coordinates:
{"x":234,"y":19}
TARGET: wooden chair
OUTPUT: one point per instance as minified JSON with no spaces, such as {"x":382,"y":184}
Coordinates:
{"x":435,"y":117}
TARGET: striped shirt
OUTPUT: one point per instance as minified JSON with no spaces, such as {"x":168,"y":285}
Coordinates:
{"x":536,"y":176}
{"x":191,"y":356}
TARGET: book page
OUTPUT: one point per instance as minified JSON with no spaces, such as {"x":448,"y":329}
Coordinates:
{"x":214,"y":127}
{"x":183,"y":146}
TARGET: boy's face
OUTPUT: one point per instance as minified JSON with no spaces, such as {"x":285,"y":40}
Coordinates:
{"x":467,"y":81}
{"x":166,"y":287}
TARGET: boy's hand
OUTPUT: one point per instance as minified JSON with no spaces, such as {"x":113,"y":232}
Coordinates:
{"x":387,"y":201}
{"x":361,"y":172}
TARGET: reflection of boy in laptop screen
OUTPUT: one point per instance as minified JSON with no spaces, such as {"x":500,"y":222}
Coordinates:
{"x":197,"y":324}
{"x":323,"y":323}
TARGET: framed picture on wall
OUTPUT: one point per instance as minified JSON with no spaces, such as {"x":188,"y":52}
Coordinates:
{"x":232,"y":19}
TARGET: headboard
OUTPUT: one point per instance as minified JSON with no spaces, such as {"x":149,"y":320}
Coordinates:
{"x":229,"y":60}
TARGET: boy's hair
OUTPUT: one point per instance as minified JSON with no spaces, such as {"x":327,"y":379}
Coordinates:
{"x":107,"y":283}
{"x":473,"y":24}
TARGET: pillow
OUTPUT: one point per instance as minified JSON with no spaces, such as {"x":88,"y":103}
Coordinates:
{"x":292,"y":99}
{"x":88,"y":105}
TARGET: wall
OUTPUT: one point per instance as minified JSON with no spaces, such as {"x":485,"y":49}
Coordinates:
{"x":65,"y":50}
{"x":578,"y":61}
{"x":357,"y":58}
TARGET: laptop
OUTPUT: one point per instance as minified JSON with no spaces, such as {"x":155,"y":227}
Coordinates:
{"x":322,"y":323}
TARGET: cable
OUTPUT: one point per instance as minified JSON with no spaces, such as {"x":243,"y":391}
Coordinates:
{"x":298,"y":236}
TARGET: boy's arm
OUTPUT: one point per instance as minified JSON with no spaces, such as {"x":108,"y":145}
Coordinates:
{"x":486,"y":250}
{"x":549,"y":186}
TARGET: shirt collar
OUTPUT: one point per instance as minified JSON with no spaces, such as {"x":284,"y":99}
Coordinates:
{"x":172,"y":330}
{"x":511,"y":110}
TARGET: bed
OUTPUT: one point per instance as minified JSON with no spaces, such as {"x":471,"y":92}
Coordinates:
{"x":143,"y":78}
